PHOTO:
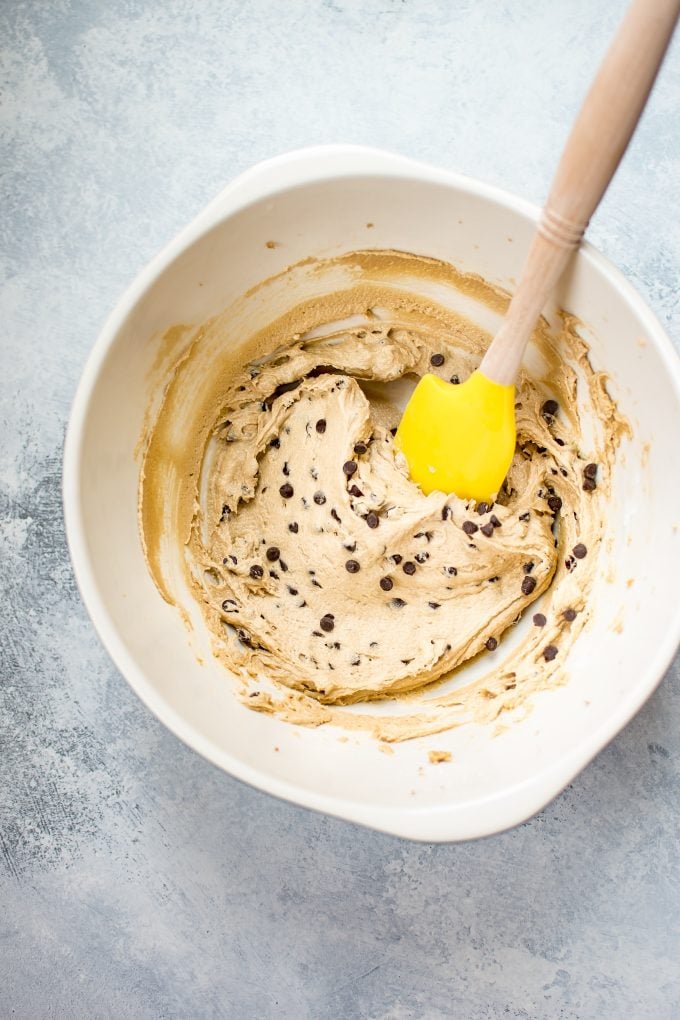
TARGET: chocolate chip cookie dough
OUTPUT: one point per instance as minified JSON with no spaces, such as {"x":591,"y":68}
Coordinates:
{"x":325,"y":575}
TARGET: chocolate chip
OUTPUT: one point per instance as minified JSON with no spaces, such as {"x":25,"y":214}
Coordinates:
{"x":445,"y":513}
{"x":528,"y":585}
{"x":393,"y":431}
{"x":421,"y":557}
{"x":437,"y":360}
{"x":491,"y":644}
{"x":352,"y":566}
{"x":356,"y":491}
{"x":293,"y":527}
{"x":494,"y":520}
{"x":275,"y":442}
{"x":539,"y":619}
{"x":285,"y":469}
{"x":286,"y":490}
{"x":452,"y":571}
{"x":284,"y":566}
{"x":555,"y":504}
{"x":560,"y":442}
{"x":590,"y":471}
{"x":492,"y":580}
{"x":569,"y":615}
{"x":487,"y":529}
{"x":256,"y":571}
{"x":396,"y":558}
{"x":549,"y":653}
{"x":455,"y":380}
{"x":273,"y":553}
{"x":386,"y":583}
{"x":321,"y":426}
{"x":525,"y":516}
{"x":336,"y":516}
{"x":372,"y":519}
{"x":579,"y":551}
{"x":434,"y":605}
{"x":469,"y":527}
{"x":292,"y":591}
{"x":350,"y":546}
{"x":528,"y":567}
{"x":245,"y":638}
{"x":550,"y":408}
{"x":482,"y":508}
{"x":229,"y":606}
{"x":589,"y":484}
{"x":327,"y":622}
{"x":319,"y":498}
{"x":360,"y":448}
{"x":409,"y":567}
{"x":349,"y":467}
{"x":397,"y":603}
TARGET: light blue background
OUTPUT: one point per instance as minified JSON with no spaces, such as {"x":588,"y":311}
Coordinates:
{"x":136,"y":880}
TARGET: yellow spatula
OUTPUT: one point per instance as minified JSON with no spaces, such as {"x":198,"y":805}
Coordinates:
{"x":461,"y":439}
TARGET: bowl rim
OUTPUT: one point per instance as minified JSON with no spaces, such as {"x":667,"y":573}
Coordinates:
{"x":442,"y":823}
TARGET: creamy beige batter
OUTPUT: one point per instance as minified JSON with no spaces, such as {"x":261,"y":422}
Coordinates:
{"x":324,"y":573}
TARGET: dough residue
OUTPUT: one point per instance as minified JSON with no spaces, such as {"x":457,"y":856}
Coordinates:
{"x":325,"y":576}
{"x":439,"y":757}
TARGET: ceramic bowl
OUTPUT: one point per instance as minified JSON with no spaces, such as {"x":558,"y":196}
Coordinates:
{"x":318,"y":202}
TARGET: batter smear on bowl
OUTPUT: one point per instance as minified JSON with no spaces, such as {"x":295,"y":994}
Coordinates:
{"x":326,"y":577}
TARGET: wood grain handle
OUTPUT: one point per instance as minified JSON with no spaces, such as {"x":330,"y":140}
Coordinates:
{"x":597,"y":141}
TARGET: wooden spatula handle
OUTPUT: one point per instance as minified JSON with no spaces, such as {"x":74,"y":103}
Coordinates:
{"x":593,"y":151}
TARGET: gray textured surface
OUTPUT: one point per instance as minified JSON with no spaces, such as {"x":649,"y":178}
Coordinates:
{"x":135,"y":879}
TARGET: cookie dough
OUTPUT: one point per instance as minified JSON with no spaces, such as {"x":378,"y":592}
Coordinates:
{"x":325,"y":573}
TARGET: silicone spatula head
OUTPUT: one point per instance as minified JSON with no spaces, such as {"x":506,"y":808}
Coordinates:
{"x":459,"y":438}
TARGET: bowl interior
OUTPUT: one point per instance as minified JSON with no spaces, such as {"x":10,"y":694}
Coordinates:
{"x":492,"y":781}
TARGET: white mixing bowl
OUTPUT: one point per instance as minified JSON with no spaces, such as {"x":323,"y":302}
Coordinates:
{"x":318,"y":202}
